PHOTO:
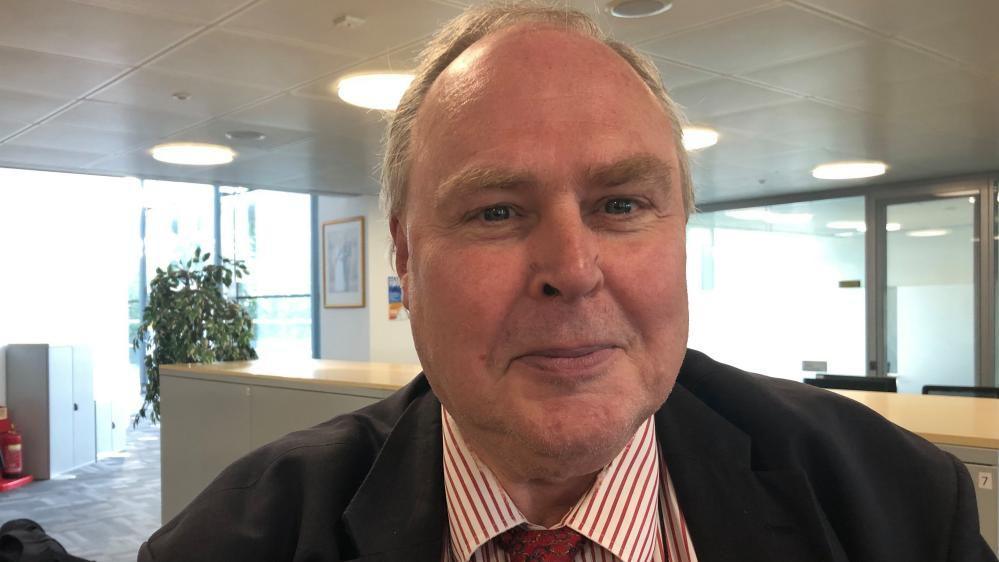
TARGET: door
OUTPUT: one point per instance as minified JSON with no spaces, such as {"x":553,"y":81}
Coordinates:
{"x":929,"y":290}
{"x":84,"y":414}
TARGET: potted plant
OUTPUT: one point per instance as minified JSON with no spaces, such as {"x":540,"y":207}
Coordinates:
{"x":189,"y":319}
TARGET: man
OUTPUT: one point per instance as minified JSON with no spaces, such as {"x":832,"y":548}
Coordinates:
{"x":538,"y":196}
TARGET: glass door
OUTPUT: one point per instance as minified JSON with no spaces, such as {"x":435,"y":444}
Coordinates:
{"x":929,"y":290}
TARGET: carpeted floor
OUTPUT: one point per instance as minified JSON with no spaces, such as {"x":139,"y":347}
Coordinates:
{"x":102,"y":511}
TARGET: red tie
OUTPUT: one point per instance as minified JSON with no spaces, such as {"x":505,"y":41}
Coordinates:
{"x":557,"y":545}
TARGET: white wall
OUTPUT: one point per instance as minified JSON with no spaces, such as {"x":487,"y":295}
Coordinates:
{"x":365,"y":334}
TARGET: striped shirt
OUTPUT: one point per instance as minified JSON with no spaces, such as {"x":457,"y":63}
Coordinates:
{"x":630,"y":514}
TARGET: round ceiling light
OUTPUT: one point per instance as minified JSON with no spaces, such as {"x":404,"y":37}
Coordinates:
{"x":638,"y":8}
{"x":849,"y":170}
{"x":696,"y":138}
{"x":193,"y":153}
{"x":374,"y":91}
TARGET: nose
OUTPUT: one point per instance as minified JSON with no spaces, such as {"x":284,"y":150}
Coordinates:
{"x":565,"y":260}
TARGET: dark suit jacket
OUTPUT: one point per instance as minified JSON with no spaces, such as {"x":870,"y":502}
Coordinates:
{"x":765,"y":470}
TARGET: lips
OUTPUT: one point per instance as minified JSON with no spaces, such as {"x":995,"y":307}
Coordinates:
{"x":569,"y":360}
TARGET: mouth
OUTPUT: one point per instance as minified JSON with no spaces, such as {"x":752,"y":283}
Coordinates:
{"x":572,"y":360}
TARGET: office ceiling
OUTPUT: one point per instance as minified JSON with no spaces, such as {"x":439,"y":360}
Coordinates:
{"x":90,"y":86}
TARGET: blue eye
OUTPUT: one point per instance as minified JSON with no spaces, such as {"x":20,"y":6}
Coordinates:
{"x":498,"y":213}
{"x":619,"y":206}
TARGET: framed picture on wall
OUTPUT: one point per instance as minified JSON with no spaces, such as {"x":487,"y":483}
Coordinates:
{"x":343,"y":263}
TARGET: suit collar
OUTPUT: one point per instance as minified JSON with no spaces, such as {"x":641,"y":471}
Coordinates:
{"x":734,"y":509}
{"x":398,"y":513}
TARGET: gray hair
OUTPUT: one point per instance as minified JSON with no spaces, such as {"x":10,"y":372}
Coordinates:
{"x":458,"y":35}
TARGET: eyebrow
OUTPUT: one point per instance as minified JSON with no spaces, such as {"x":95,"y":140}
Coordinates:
{"x":643,"y":168}
{"x":475,"y":179}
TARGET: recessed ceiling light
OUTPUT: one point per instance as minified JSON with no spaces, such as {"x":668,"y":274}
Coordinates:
{"x":638,"y":8}
{"x":245,"y":135}
{"x":193,"y":153}
{"x":929,"y":233}
{"x":844,"y":234}
{"x":696,"y":138}
{"x":849,"y":170}
{"x":374,"y":91}
{"x":893,"y":227}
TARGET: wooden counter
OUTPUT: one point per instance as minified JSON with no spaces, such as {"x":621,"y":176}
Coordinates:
{"x":947,"y":420}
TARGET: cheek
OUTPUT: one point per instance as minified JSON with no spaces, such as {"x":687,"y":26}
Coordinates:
{"x":649,"y":283}
{"x":464,"y":292}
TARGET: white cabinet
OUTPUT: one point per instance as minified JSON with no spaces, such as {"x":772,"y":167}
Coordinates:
{"x":50,"y":391}
{"x":208,"y":424}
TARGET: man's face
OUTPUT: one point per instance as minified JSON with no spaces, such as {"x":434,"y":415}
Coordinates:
{"x":541,"y":248}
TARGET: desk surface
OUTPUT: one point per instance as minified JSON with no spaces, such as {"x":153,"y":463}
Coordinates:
{"x":310,"y":372}
{"x":952,"y":420}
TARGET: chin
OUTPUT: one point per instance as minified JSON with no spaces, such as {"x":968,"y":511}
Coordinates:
{"x":581,"y":439}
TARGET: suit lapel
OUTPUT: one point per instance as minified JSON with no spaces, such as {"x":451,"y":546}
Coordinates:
{"x":398,"y":513}
{"x":733,"y":511}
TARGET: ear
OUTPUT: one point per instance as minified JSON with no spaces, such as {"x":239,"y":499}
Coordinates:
{"x":401,"y":244}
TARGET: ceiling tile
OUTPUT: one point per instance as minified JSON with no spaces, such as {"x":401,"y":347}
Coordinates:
{"x":739,"y":150}
{"x":80,"y":139}
{"x":831,"y":75}
{"x":798,"y":115}
{"x":69,"y":28}
{"x":893,"y":17}
{"x":250,"y":60}
{"x":323,"y":118}
{"x":756,"y":40}
{"x":677,"y":76}
{"x":719,"y":96}
{"x":124,"y":118}
{"x":395,"y":61}
{"x":154,"y":89}
{"x":215,"y":132}
{"x":387,"y":23}
{"x":27,"y":108}
{"x":946,"y":88}
{"x":199,"y":10}
{"x":971,"y":39}
{"x":44,"y":158}
{"x":682,"y":15}
{"x":10,"y":127}
{"x":52,"y":75}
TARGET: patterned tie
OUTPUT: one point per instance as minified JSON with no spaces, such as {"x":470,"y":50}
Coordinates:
{"x":557,"y":545}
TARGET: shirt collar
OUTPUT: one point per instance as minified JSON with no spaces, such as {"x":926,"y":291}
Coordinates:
{"x":619,"y":512}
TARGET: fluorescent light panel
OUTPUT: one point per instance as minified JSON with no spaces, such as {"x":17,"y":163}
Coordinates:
{"x":193,"y":153}
{"x":380,"y":91}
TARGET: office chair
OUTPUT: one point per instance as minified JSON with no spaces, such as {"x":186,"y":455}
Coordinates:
{"x":973,"y":391}
{"x":850,"y":382}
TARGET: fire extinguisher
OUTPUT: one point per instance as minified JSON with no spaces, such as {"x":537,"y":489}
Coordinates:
{"x":10,"y":447}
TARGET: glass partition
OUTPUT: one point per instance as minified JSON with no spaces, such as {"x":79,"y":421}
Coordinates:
{"x":270,"y":231}
{"x":779,"y":290}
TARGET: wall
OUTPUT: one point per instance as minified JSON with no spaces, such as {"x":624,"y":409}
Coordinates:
{"x":365,"y":334}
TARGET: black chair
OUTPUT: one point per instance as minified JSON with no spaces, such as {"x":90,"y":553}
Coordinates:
{"x":973,"y":391}
{"x":850,"y":382}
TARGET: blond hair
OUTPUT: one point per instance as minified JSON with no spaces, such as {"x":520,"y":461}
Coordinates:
{"x":458,"y":35}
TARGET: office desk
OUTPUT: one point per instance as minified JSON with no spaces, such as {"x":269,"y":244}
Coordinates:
{"x":966,"y":427}
{"x":214,"y":414}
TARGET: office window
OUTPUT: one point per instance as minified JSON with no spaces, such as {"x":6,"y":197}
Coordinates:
{"x":773,"y":287}
{"x":67,"y":249}
{"x":179,"y":219}
{"x":270,"y":231}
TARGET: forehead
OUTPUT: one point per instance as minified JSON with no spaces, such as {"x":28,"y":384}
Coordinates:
{"x":540,"y":85}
